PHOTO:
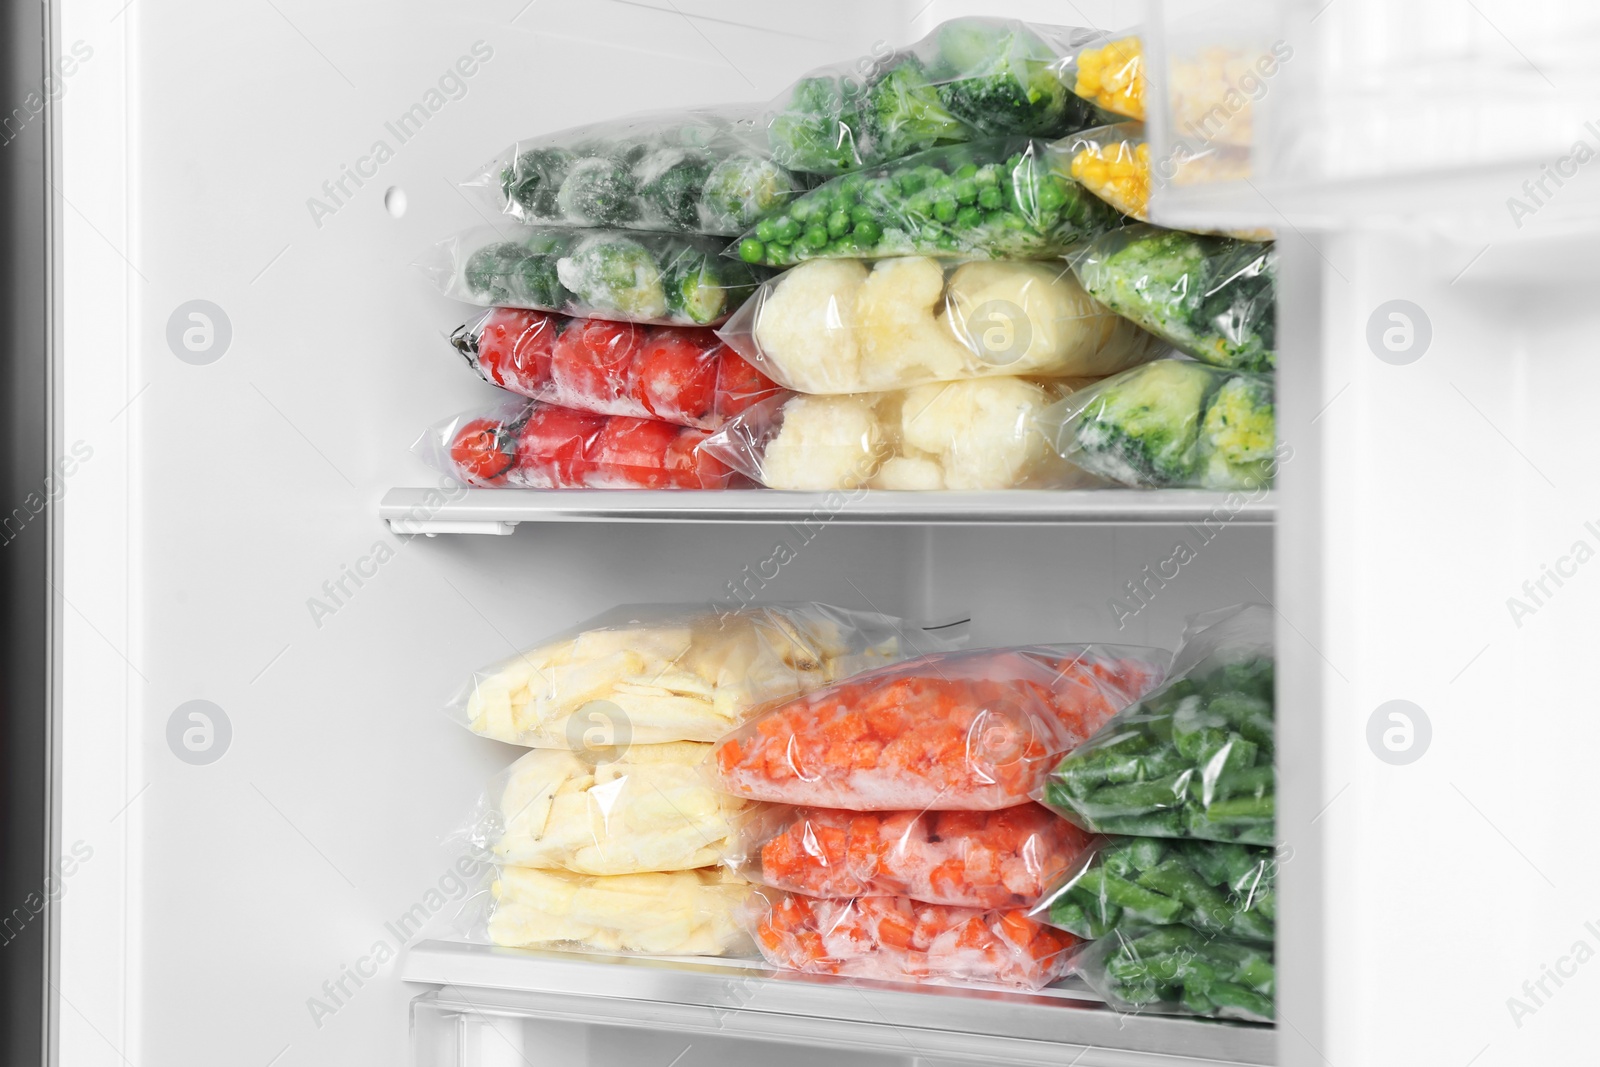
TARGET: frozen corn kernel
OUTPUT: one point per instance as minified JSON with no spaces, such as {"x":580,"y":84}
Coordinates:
{"x":1118,"y":173}
{"x":1113,"y":77}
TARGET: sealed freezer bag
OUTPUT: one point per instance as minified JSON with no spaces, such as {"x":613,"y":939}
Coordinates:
{"x":970,"y":78}
{"x":844,"y":326}
{"x":999,"y":198}
{"x":1215,"y":887}
{"x":670,"y":913}
{"x":978,"y":859}
{"x":973,"y":730}
{"x":669,"y":279}
{"x":654,"y":673}
{"x":607,"y":810}
{"x":894,"y":939}
{"x":700,"y":171}
{"x":526,"y":444}
{"x":1214,"y":298}
{"x":1194,"y":758}
{"x":1169,"y":424}
{"x":676,"y":374}
{"x":979,"y":434}
{"x":1174,"y":969}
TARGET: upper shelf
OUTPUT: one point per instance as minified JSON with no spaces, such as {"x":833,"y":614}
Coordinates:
{"x":498,"y":511}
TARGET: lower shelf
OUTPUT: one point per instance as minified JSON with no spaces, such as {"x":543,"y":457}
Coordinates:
{"x":740,"y":1000}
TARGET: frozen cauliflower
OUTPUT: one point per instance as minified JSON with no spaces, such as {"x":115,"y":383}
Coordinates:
{"x":825,"y":442}
{"x":805,"y":327}
{"x":984,"y":432}
{"x":900,"y":336}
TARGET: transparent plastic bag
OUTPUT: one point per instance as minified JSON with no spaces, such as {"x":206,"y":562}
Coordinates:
{"x":1109,"y":72}
{"x":978,"y":434}
{"x":977,"y":859}
{"x":668,"y":279}
{"x":1176,"y":970}
{"x":975,"y":730}
{"x":1211,"y":886}
{"x":703,"y":171}
{"x":525,"y":444}
{"x":607,"y":810}
{"x":969,"y":78}
{"x":1005,"y":198}
{"x":894,"y":939}
{"x":842,"y":326}
{"x":1168,"y":424}
{"x":1212,"y":297}
{"x":1195,"y":757}
{"x":664,"y":913}
{"x":679,"y":375}
{"x":654,"y":673}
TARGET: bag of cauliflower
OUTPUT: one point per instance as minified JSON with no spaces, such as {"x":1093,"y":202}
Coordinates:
{"x":978,"y":434}
{"x":846,"y":326}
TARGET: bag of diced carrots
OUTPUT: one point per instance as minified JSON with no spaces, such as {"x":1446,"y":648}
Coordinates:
{"x":974,"y":730}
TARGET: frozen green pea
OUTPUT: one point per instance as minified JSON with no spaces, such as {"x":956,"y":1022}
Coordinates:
{"x":838,"y":223}
{"x":752,"y":250}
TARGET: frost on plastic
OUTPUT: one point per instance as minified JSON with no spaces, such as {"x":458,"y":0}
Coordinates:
{"x":970,"y":78}
{"x":998,"y":198}
{"x":705,"y":171}
{"x":981,"y":859}
{"x":1109,"y":72}
{"x":1169,"y":424}
{"x":843,"y":326}
{"x":1194,"y":758}
{"x":669,"y":279}
{"x":971,"y":730}
{"x":607,"y":810}
{"x":649,"y":674}
{"x":679,"y":375}
{"x":1214,"y":298}
{"x":1176,"y":970}
{"x":526,"y":444}
{"x":900,"y":940}
{"x":979,"y":434}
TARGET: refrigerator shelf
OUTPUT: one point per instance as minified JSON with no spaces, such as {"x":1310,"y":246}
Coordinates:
{"x":499,"y":511}
{"x":739,"y":999}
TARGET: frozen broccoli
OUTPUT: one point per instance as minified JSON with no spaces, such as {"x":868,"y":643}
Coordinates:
{"x":741,"y":190}
{"x":1237,"y":316}
{"x":1238,"y":435}
{"x":611,"y":273}
{"x":533,"y":179}
{"x":537,"y":281}
{"x":902,"y":113}
{"x":1142,"y":427}
{"x":490,"y":271}
{"x":671,"y":180}
{"x":999,"y":79}
{"x":598,"y":191}
{"x":818,"y":132}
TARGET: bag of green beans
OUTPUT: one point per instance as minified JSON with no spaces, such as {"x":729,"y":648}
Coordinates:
{"x":1177,"y":970}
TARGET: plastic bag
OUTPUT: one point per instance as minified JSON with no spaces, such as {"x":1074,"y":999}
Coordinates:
{"x":973,"y":730}
{"x":670,"y":913}
{"x":970,"y":78}
{"x":683,"y":376}
{"x":605,"y":810}
{"x":1212,"y":297}
{"x":1176,"y":970}
{"x":976,"y":859}
{"x":669,"y":279}
{"x":1110,"y":74}
{"x":653,"y":673}
{"x":1211,"y":886}
{"x":1169,"y":424}
{"x":1195,"y":757}
{"x":899,"y":940}
{"x":1005,"y":198}
{"x":699,"y":171}
{"x":979,"y":434}
{"x":841,"y":326}
{"x":524,"y":444}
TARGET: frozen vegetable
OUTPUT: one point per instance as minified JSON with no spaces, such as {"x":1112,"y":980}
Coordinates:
{"x":1176,"y":969}
{"x":528,"y":444}
{"x":676,"y":374}
{"x":1195,"y":757}
{"x":1169,"y":423}
{"x":671,"y":279}
{"x":979,"y":859}
{"x":963,"y":730}
{"x":607,"y":810}
{"x":700,"y":171}
{"x":840,"y":326}
{"x":1212,"y":886}
{"x":1212,"y":297}
{"x":896,"y":939}
{"x":672,"y":913}
{"x":647,"y":674}
{"x":1111,"y":75}
{"x":998,"y":198}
